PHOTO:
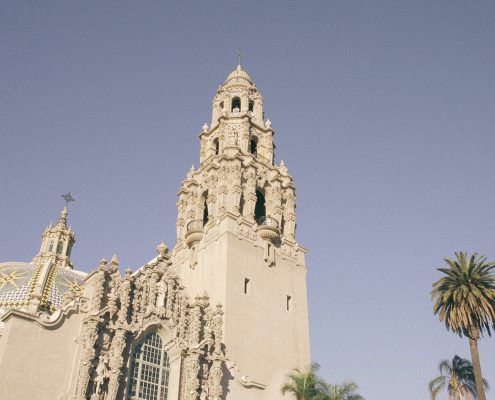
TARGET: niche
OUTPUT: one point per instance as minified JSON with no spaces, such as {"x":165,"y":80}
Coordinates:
{"x":203,"y":203}
{"x":216,"y":146}
{"x":251,"y":105}
{"x":236,"y":104}
{"x":259,"y":208}
{"x":253,"y":146}
{"x":205,"y":213}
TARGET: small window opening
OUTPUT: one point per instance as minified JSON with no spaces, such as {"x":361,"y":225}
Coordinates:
{"x":69,"y":249}
{"x":241,"y":205}
{"x":60,"y":247}
{"x":236,"y":104}
{"x":259,"y":208}
{"x":221,"y":106}
{"x":205,"y":213}
{"x":251,"y":105}
{"x":246,"y":286}
{"x":253,"y":146}
{"x":288,"y":302}
{"x":216,"y":143}
{"x":50,"y":245}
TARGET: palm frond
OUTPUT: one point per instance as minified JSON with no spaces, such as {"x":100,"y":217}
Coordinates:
{"x":465,"y":296}
{"x":457,"y":376}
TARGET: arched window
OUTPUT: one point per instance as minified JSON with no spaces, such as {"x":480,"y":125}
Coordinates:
{"x":216,"y":143}
{"x":259,"y":208}
{"x":50,"y":245}
{"x":148,"y":375}
{"x":236,"y":104}
{"x":253,"y":145}
{"x":251,"y":105}
{"x":60,"y":246}
{"x":205,"y":211}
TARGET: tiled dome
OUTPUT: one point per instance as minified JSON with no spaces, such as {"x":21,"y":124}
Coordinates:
{"x":18,"y":282}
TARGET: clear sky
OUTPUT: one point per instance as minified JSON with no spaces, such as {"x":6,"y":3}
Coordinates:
{"x":383,"y":112}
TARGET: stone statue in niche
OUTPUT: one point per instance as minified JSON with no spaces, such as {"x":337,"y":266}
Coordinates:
{"x":232,"y":139}
{"x":112,"y":298}
{"x":101,"y":375}
{"x":162,"y":292}
{"x":152,"y":292}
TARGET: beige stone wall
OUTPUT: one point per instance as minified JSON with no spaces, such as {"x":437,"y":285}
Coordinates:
{"x":36,"y":362}
{"x":263,"y":339}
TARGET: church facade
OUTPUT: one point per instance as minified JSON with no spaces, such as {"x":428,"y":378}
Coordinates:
{"x":221,"y":316}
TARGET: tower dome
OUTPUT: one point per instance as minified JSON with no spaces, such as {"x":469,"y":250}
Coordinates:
{"x":238,"y":77}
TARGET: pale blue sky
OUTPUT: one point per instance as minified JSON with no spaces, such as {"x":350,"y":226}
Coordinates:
{"x":384,"y":115}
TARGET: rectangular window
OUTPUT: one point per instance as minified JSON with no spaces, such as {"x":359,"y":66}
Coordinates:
{"x":246,"y":286}
{"x":288,"y":302}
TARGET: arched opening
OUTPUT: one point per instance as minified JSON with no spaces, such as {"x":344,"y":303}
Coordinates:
{"x":236,"y":104}
{"x":221,"y":106}
{"x":50,"y":245}
{"x":149,"y":371}
{"x":216,"y":145}
{"x":259,"y":208}
{"x":241,"y":205}
{"x":60,"y":247}
{"x":253,"y":145}
{"x":251,"y":105}
{"x":205,"y":213}
{"x":205,"y":208}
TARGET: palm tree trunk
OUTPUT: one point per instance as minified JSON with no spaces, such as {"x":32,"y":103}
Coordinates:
{"x":478,"y":378}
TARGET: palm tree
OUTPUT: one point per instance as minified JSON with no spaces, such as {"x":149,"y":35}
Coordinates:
{"x":344,"y":391}
{"x":458,"y":377}
{"x":305,"y":385}
{"x":465,"y":300}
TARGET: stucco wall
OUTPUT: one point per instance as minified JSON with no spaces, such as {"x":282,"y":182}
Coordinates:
{"x":35,"y":362}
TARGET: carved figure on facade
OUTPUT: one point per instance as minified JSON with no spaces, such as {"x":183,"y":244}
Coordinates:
{"x":161,"y":292}
{"x":232,"y":136}
{"x":101,"y":375}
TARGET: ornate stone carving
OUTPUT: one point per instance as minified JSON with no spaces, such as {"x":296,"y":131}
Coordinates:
{"x":116,"y":363}
{"x":88,"y":341}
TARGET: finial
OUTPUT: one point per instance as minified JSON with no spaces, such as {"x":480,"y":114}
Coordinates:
{"x":114,"y":261}
{"x":103,"y":263}
{"x":63,"y":216}
{"x":162,"y":248}
{"x":205,"y":128}
{"x":283,"y":168}
{"x":191,"y":171}
{"x":239,"y":58}
{"x":268,"y":123}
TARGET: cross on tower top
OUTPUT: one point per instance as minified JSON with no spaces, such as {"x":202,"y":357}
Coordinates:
{"x":68,"y":198}
{"x":239,"y":57}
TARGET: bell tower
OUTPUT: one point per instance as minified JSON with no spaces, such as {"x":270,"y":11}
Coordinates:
{"x":236,"y":241}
